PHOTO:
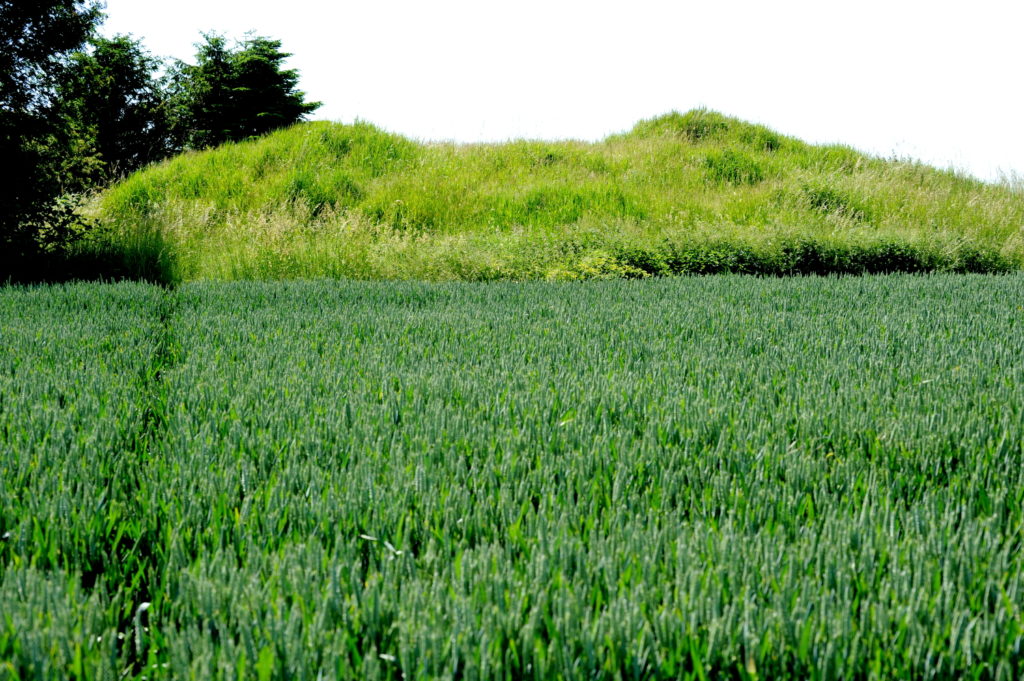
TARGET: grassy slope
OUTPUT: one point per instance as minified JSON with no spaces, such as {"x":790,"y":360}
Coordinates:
{"x":694,"y":192}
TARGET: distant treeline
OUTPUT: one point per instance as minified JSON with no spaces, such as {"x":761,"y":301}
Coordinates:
{"x":79,"y":110}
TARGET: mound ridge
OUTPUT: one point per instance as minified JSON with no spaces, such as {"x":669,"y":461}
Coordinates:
{"x":686,"y":192}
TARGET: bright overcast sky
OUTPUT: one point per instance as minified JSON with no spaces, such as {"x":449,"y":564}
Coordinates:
{"x":929,"y":79}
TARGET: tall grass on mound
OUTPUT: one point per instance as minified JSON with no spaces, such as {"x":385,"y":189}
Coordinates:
{"x":694,"y":192}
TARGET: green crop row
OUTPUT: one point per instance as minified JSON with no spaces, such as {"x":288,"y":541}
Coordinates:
{"x":697,"y":478}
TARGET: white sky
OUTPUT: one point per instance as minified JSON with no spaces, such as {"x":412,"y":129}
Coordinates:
{"x":929,"y":79}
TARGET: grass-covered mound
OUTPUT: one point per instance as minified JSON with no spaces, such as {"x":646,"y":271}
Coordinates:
{"x":693,"y":192}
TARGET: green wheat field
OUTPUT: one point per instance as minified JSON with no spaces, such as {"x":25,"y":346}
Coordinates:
{"x":723,"y":477}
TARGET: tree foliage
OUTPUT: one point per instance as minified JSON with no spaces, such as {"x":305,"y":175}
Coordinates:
{"x":114,"y":93}
{"x":235,"y":92}
{"x":38,"y":143}
{"x":78,"y":111}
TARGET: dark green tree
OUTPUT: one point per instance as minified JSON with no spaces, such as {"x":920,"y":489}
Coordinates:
{"x":232,"y":93}
{"x":39,"y":146}
{"x":201,"y":95}
{"x":116,"y":98}
{"x":266,"y":94}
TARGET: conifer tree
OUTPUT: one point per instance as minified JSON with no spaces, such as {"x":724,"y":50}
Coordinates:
{"x":230,"y":94}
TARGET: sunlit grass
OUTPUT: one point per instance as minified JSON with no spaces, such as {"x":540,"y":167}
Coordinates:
{"x":325,"y":199}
